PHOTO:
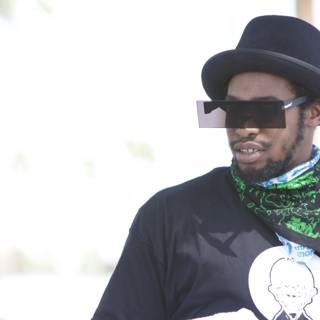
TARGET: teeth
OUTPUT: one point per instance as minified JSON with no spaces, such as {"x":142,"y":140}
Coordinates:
{"x":251,"y":150}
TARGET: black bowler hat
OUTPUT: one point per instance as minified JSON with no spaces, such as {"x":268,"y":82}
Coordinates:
{"x":285,"y":46}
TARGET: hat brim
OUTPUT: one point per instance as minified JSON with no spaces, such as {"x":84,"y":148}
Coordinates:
{"x":219,"y":69}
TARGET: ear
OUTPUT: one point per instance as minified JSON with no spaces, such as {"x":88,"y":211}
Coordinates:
{"x":312,"y":114}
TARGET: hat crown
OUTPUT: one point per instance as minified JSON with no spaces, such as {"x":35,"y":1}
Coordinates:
{"x":286,"y":46}
{"x":286,"y":35}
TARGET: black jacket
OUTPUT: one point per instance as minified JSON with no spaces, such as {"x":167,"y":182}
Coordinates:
{"x":188,"y":255}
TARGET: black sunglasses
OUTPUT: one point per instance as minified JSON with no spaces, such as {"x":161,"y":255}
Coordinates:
{"x":246,"y":114}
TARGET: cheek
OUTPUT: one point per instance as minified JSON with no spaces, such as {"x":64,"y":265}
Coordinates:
{"x":280,"y":140}
{"x":230,"y":135}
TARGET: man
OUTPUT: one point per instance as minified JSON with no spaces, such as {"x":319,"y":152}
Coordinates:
{"x":205,"y":248}
{"x":292,"y":293}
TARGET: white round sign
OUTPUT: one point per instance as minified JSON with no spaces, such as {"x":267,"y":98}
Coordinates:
{"x":283,"y":289}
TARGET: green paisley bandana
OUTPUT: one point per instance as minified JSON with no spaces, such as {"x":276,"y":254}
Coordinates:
{"x":291,"y":209}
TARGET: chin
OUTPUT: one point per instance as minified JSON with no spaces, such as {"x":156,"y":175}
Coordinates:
{"x":247,"y":168}
{"x":255,"y":174}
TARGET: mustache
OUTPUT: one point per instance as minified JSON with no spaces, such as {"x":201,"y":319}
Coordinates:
{"x":264,"y":144}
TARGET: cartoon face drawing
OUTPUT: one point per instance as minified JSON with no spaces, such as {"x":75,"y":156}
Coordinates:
{"x":283,"y":289}
{"x":293,"y":287}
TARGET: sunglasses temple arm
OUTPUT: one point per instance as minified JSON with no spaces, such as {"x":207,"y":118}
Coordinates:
{"x":295,"y":102}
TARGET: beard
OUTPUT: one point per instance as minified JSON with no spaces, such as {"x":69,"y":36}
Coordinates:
{"x":273,"y":168}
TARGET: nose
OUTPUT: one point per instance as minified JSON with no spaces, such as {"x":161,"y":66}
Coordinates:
{"x":247,"y":131}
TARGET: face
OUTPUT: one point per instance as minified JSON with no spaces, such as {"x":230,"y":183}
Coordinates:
{"x":293,"y":298}
{"x":292,"y":285}
{"x":259,"y":153}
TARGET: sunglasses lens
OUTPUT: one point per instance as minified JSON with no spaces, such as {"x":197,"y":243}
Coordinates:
{"x":210,"y":116}
{"x":241,"y":114}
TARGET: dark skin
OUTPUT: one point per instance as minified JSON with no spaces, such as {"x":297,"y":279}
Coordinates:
{"x":267,"y":153}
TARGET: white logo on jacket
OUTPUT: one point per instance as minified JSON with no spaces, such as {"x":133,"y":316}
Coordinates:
{"x":283,"y":289}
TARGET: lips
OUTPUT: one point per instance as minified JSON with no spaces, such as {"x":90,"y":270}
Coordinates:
{"x":248,"y":152}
